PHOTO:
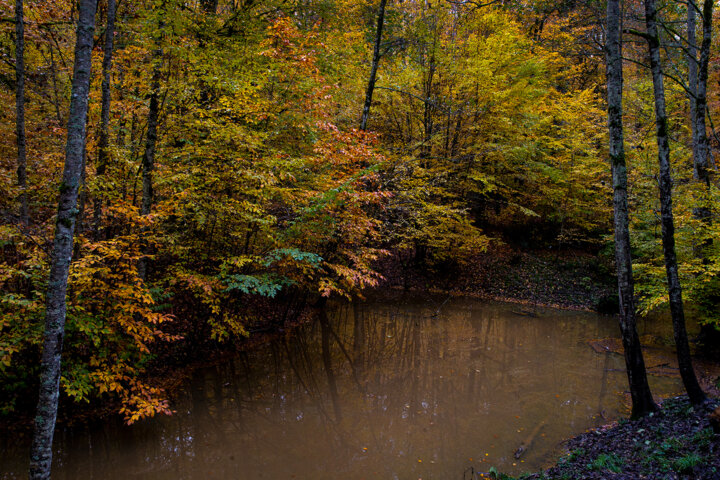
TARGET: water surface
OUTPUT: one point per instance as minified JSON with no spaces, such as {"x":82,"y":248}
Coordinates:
{"x":430,"y":388}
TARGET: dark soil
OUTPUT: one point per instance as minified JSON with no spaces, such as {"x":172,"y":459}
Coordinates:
{"x":677,"y":442}
{"x":568,"y":279}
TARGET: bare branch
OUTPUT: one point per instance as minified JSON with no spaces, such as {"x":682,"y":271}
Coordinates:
{"x":637,"y":33}
{"x":462,"y":3}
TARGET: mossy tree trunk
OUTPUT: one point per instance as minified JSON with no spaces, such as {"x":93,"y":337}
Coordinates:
{"x":41,"y":450}
{"x":668,"y":225}
{"x":642,"y":401}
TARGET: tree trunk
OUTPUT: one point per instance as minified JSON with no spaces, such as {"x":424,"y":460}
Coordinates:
{"x":642,"y":401}
{"x":374,"y":68}
{"x":692,"y":72}
{"x":148,"y":161}
{"x":104,"y":134}
{"x":709,"y":334}
{"x":41,"y":451}
{"x":428,"y":109}
{"x":20,"y":109}
{"x":668,"y":227}
{"x":82,"y":193}
{"x":701,"y":149}
{"x":56,"y":89}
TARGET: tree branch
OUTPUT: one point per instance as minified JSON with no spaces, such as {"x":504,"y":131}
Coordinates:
{"x":637,"y":33}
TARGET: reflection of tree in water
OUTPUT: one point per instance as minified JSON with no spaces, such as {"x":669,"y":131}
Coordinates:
{"x":446,"y":379}
{"x":410,"y":386}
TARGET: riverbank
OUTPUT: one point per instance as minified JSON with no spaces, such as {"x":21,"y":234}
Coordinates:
{"x":575,"y":280}
{"x":678,"y":442}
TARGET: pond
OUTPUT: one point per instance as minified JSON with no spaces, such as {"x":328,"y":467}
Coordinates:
{"x":413,"y":388}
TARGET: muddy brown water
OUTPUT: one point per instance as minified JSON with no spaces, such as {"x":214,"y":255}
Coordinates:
{"x":415,"y":388}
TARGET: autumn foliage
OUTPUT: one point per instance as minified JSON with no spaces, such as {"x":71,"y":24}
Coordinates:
{"x":265,"y":195}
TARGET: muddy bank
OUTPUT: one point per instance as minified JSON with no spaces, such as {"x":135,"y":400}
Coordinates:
{"x":677,"y":442}
{"x":568,"y":279}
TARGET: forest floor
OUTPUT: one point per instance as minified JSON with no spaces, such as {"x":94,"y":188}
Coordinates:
{"x":678,"y":442}
{"x":569,"y":279}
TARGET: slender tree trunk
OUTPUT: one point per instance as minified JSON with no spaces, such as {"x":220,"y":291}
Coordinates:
{"x":56,"y":90}
{"x":709,"y":334}
{"x":104,"y":134}
{"x":148,"y":161}
{"x":374,"y":68}
{"x":456,"y":135}
{"x":668,"y":227}
{"x":701,"y":151}
{"x":41,"y":452}
{"x":692,"y":61}
{"x":428,"y":110}
{"x":20,"y":108}
{"x":82,"y":194}
{"x":642,"y":401}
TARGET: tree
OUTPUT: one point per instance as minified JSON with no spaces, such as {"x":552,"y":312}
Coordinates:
{"x":41,"y":452}
{"x":20,"y":109}
{"x":148,"y":159}
{"x":104,"y":134}
{"x":692,"y":62}
{"x":701,"y":144}
{"x":374,"y":67}
{"x":668,"y":225}
{"x":642,"y":401}
{"x":709,"y":333}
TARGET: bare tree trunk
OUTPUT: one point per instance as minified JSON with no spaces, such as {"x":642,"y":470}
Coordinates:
{"x":148,"y":161}
{"x":668,"y":226}
{"x":104,"y":134}
{"x":56,"y":89}
{"x":82,"y":193}
{"x":428,"y":110}
{"x":642,"y":401}
{"x":41,"y":451}
{"x":709,"y":334}
{"x":701,"y":150}
{"x":692,"y":61}
{"x":374,"y":68}
{"x":20,"y":108}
